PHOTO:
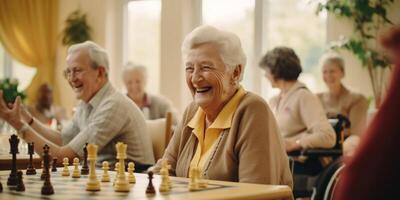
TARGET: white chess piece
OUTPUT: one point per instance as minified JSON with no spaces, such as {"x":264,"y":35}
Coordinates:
{"x":131,"y":169}
{"x":93,"y":184}
{"x":164,"y":164}
{"x":116,"y":169}
{"x":193,"y":180}
{"x":121,"y":184}
{"x":165,"y":184}
{"x":76,"y":173}
{"x":105,"y":167}
{"x":65,"y":171}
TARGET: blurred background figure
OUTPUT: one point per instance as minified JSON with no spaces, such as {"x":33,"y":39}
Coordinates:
{"x":340,"y":100}
{"x":152,"y":106}
{"x":44,"y":110}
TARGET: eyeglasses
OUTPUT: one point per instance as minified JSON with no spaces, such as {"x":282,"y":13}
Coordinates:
{"x":69,"y":73}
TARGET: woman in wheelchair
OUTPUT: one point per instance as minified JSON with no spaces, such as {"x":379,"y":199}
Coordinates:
{"x":300,"y":116}
{"x":339,"y":100}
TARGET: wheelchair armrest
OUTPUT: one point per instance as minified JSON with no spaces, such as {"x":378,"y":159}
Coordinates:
{"x":316,"y":152}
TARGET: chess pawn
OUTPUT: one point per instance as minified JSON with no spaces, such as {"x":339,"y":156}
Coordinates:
{"x":105,"y":167}
{"x":65,"y":171}
{"x":131,"y":169}
{"x":150,"y":188}
{"x":165,"y":184}
{"x":76,"y":173}
{"x":20,"y":183}
{"x":193,"y":180}
{"x":54,"y":165}
{"x":116,"y":169}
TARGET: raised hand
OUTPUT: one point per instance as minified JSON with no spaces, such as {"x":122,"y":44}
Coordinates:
{"x":11,"y":113}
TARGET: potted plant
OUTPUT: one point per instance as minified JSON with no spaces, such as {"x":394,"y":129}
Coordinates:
{"x":76,"y":29}
{"x":368,"y":17}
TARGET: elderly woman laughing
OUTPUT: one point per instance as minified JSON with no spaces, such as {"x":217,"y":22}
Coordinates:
{"x":226,"y":132}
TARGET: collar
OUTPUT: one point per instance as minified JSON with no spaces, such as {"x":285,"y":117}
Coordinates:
{"x":224,"y":118}
{"x":98,"y":97}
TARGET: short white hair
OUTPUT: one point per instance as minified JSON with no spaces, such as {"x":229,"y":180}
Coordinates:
{"x":97,"y":54}
{"x":130,"y":66}
{"x":228,"y":44}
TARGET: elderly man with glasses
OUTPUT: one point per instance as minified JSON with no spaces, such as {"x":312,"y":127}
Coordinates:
{"x":104,"y":116}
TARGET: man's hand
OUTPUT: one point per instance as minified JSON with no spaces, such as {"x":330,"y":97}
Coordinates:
{"x":11,"y":112}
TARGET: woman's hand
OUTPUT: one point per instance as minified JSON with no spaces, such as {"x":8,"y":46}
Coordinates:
{"x":292,"y":145}
{"x":11,"y":112}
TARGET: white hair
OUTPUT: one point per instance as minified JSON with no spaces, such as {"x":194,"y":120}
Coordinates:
{"x":130,"y":66}
{"x":228,"y":44}
{"x":333,"y":58}
{"x":98,"y":55}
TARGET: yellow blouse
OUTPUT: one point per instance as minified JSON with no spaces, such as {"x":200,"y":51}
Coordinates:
{"x":207,"y":138}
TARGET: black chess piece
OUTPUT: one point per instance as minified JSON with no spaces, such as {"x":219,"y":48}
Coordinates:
{"x":54,"y":165}
{"x":12,"y":179}
{"x":47,"y":188}
{"x":1,"y":187}
{"x":20,"y":183}
{"x":85,"y":167}
{"x":30,"y":170}
{"x":150,"y":188}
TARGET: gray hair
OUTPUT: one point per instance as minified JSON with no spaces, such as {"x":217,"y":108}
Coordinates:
{"x":333,"y":58}
{"x":228,"y":44}
{"x":130,"y":66}
{"x":97,"y":54}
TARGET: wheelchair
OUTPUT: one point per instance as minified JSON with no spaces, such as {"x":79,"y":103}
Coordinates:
{"x":313,"y":179}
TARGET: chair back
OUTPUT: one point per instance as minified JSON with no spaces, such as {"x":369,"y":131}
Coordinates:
{"x":160,"y":133}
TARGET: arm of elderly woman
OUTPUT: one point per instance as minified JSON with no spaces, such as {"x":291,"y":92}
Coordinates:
{"x":319,"y":133}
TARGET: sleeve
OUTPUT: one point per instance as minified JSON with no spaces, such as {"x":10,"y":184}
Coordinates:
{"x":102,"y":128}
{"x":258,"y":135}
{"x":358,"y":115}
{"x":319,"y":132}
{"x":70,"y":130}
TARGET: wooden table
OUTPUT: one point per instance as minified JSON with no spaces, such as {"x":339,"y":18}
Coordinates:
{"x":22,"y":161}
{"x":74,"y":189}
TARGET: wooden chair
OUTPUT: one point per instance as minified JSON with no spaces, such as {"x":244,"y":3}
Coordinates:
{"x":160,"y":133}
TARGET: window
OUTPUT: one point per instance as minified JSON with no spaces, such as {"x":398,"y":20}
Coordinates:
{"x":10,"y":68}
{"x":293,"y":23}
{"x":239,"y":19}
{"x":142,"y":36}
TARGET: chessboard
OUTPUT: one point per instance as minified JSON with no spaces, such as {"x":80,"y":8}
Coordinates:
{"x":66,"y":187}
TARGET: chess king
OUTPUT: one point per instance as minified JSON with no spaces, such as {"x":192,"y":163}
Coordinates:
{"x":102,"y":116}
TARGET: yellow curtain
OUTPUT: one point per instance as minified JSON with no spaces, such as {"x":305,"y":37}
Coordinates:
{"x":28,"y":32}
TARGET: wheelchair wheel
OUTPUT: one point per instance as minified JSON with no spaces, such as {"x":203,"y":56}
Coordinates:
{"x":327,"y":181}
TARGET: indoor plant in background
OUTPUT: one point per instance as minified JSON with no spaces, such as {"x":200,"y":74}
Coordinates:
{"x":76,"y":29}
{"x":368,"y":17}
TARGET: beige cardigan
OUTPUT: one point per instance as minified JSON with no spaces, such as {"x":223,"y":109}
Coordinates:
{"x":352,"y":105}
{"x":301,"y":117}
{"x":250,"y":151}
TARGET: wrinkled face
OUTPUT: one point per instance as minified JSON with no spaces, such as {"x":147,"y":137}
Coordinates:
{"x":332,"y":74}
{"x":135,"y":82}
{"x":209,"y":80}
{"x":84,"y":80}
{"x":270,"y":77}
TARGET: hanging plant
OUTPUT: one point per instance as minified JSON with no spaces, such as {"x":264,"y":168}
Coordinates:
{"x":76,"y":29}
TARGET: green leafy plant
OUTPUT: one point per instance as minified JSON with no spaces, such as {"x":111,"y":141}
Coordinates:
{"x":76,"y":29}
{"x":368,"y":17}
{"x":10,"y":90}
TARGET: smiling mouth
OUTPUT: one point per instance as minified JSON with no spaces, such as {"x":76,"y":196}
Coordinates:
{"x":203,"y":90}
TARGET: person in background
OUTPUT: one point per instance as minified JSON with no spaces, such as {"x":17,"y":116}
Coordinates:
{"x":339,"y":100}
{"x":152,"y":106}
{"x":230,"y":134}
{"x":299,"y":113}
{"x":373,"y":171}
{"x":44,"y":110}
